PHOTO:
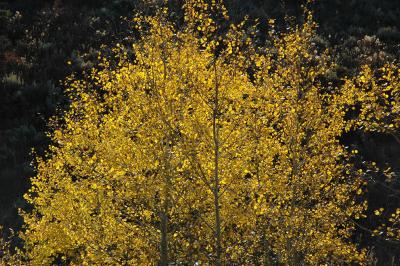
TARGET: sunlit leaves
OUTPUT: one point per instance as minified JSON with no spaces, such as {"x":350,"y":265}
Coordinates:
{"x":206,"y":149}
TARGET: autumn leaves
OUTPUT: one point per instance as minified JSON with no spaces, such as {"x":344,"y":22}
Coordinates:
{"x":205,"y":149}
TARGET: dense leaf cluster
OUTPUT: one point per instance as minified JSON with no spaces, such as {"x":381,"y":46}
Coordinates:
{"x":41,"y":42}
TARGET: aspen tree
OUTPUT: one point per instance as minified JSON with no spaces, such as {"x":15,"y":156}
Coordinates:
{"x":304,"y":184}
{"x":204,"y":150}
{"x":109,"y":190}
{"x":117,"y":151}
{"x":216,"y":131}
{"x":375,"y":96}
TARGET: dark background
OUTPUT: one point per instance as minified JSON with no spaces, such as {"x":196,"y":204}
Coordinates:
{"x":42,"y":42}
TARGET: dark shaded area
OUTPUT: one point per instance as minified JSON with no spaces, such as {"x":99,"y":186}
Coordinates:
{"x":42,"y":42}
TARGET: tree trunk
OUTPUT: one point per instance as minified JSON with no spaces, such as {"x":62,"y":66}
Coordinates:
{"x":218,"y":247}
{"x":164,"y":238}
{"x":165,"y":209}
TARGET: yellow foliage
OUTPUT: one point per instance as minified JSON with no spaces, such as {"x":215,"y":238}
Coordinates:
{"x":182,"y":156}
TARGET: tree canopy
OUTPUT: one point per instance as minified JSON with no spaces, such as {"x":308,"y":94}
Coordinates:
{"x":196,"y":146}
{"x":203,"y":141}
